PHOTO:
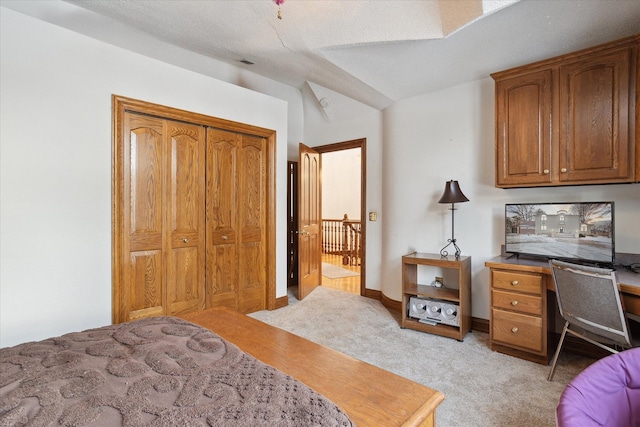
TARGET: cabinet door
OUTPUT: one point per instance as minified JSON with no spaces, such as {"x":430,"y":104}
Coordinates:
{"x":595,"y":143}
{"x":523,"y":129}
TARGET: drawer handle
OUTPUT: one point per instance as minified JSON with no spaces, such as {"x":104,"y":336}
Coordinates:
{"x":224,"y":237}
{"x":546,"y":171}
{"x":185,"y":240}
{"x":514,"y":283}
{"x":514,"y":303}
{"x":514,"y":330}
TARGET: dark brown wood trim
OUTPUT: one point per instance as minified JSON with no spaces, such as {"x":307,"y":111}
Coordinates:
{"x":271,"y":221}
{"x":372,"y":293}
{"x":389,"y":303}
{"x":480,"y":325}
{"x":281,"y":302}
{"x":157,"y":110}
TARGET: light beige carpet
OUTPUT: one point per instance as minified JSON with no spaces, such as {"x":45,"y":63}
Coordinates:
{"x":334,"y":272}
{"x":482,"y":388}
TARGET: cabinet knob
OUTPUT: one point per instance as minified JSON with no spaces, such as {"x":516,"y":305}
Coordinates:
{"x":546,"y":171}
{"x":185,"y":240}
{"x":514,"y":303}
{"x":514,"y":330}
{"x":514,"y":283}
{"x":563,"y":170}
{"x":224,"y":237}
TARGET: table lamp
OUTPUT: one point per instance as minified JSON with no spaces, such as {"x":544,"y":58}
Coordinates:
{"x":452,"y":194}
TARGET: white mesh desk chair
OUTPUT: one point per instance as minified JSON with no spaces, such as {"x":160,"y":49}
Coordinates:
{"x":589,"y":302}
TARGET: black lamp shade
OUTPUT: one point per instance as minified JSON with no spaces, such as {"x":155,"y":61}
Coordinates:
{"x":452,"y":193}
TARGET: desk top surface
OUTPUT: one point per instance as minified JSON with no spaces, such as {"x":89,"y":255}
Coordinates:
{"x":629,"y":281}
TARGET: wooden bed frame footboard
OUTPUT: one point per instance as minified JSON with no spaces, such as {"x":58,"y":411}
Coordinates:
{"x":370,"y":395}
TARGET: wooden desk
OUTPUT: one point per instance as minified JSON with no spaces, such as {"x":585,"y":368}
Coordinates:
{"x":369,"y":395}
{"x":536,"y":317}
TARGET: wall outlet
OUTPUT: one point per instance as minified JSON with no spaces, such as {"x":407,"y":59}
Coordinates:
{"x":373,"y":216}
{"x":438,"y":282}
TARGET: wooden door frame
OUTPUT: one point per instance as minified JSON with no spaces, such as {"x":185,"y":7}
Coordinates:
{"x":362,"y":145}
{"x":121,"y":104}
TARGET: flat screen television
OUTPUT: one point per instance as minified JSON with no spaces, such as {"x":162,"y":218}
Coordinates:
{"x":574,"y":231}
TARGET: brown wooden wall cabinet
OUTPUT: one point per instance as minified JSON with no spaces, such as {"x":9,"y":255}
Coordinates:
{"x":570,"y":120}
{"x":456,"y":290}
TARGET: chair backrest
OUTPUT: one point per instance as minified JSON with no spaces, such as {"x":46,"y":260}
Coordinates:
{"x":588,"y":297}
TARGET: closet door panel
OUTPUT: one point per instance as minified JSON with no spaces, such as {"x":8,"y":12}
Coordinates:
{"x":185,"y":292}
{"x":146,"y":278}
{"x":145,"y":196}
{"x":251,"y":208}
{"x":185,"y":284}
{"x":143,"y":270}
{"x":221,"y":217}
{"x":251,"y":294}
{"x":222,"y":278}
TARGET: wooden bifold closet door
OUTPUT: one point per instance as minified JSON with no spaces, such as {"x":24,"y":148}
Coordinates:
{"x":235,"y":221}
{"x":191,"y":211}
{"x":164,"y":222}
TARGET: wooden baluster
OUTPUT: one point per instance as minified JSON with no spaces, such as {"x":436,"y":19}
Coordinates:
{"x":345,"y":241}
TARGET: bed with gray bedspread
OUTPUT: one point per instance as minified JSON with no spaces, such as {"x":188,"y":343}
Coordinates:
{"x":159,"y":371}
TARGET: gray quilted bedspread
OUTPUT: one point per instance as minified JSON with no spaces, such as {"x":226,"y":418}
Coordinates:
{"x":159,"y":371}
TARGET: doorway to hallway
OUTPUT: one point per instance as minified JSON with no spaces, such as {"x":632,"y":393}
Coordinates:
{"x":343,"y":188}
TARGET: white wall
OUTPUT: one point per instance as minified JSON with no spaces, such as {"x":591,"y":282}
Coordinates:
{"x":447,"y":135}
{"x":55,"y":198}
{"x":341,"y":180}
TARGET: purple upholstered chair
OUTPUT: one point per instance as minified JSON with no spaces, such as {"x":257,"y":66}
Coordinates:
{"x":607,"y":393}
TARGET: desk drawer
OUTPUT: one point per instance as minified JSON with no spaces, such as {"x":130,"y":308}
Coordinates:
{"x":517,"y":302}
{"x":520,"y":282}
{"x":517,"y":329}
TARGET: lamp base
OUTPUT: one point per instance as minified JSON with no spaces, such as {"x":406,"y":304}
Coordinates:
{"x":444,"y":253}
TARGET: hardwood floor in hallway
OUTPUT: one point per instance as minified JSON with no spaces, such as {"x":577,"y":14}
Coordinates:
{"x":347,"y":284}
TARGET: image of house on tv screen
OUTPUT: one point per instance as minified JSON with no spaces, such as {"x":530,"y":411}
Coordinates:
{"x":580,"y":231}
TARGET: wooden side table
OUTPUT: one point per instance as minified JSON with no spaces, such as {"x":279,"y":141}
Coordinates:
{"x":456,"y":290}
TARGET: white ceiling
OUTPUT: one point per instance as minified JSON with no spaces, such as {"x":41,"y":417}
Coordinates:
{"x":373,"y":51}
